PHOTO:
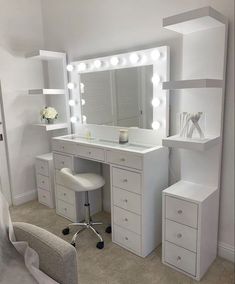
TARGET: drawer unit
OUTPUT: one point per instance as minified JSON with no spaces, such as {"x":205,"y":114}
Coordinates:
{"x":43,"y":182}
{"x":63,"y":146}
{"x":65,"y":209}
{"x":126,"y":180}
{"x":44,"y":197}
{"x":127,"y":220}
{"x":65,"y":194}
{"x":62,"y":161}
{"x":182,"y":211}
{"x":127,"y":200}
{"x":127,"y":239}
{"x":180,"y":258}
{"x":181,"y":235}
{"x":42,"y":167}
{"x":124,"y":159}
{"x":90,"y":152}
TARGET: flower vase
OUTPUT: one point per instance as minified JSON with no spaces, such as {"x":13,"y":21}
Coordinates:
{"x":49,"y":120}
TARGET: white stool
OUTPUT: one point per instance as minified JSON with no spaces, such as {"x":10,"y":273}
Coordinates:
{"x":83,"y":182}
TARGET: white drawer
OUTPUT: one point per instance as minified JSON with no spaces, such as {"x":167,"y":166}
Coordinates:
{"x":66,"y":209}
{"x":180,"y":258}
{"x":42,"y":167}
{"x":127,"y":239}
{"x":63,"y":146}
{"x":127,"y":220}
{"x":124,"y":159}
{"x":90,"y":152}
{"x":65,"y":194}
{"x":127,"y":180}
{"x":43,"y":182}
{"x":181,"y":235}
{"x":127,"y":200}
{"x":181,"y":211}
{"x":61,"y":161}
{"x":44,"y":197}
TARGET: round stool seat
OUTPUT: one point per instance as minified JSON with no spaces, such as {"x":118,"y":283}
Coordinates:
{"x":83,"y":181}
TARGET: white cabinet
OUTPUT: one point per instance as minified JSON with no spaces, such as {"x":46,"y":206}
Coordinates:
{"x":45,"y":179}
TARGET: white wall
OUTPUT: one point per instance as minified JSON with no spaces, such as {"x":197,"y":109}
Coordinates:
{"x":21,"y":32}
{"x":90,"y":28}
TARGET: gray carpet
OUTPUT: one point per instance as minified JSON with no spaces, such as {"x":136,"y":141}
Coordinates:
{"x":113,"y":264}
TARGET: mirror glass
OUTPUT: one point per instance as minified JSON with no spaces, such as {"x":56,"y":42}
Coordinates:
{"x":120,"y":97}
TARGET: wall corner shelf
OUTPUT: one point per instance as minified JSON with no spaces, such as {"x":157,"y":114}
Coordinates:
{"x":54,"y":126}
{"x":192,"y":84}
{"x":46,"y":55}
{"x":46,"y":92}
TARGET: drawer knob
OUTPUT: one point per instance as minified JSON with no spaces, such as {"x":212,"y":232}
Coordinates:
{"x":43,"y":181}
{"x":65,"y":209}
{"x":44,"y":196}
{"x":62,"y":147}
{"x":126,"y":219}
{"x":179,"y":235}
{"x":180,"y":211}
{"x":178,"y":258}
{"x":62,"y":162}
{"x":89,"y":152}
{"x":126,"y":238}
{"x":125,"y":180}
{"x":42,"y":167}
{"x":125,"y":200}
{"x":64,"y":194}
{"x":122,"y":159}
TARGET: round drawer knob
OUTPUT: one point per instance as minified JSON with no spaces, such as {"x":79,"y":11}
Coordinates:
{"x":65,"y":209}
{"x":64,"y":194}
{"x":125,"y":200}
{"x":44,"y":196}
{"x":62,"y":162}
{"x":42,"y":167}
{"x":126,"y":238}
{"x":122,"y":159}
{"x":126,"y":219}
{"x":62,"y":147}
{"x":178,"y":258}
{"x":43,"y":181}
{"x":125,"y":180}
{"x":180,"y":211}
{"x":179,"y":236}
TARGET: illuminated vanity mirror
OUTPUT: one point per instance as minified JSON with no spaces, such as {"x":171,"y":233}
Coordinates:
{"x":123,"y":90}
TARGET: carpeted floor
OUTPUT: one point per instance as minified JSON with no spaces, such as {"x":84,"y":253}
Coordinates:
{"x":113,"y":264}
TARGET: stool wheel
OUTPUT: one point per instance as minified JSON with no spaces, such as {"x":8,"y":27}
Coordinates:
{"x":73,"y":244}
{"x":65,"y":231}
{"x":108,"y":230}
{"x":100,"y":245}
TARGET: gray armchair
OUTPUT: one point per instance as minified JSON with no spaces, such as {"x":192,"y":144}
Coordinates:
{"x":58,"y":259}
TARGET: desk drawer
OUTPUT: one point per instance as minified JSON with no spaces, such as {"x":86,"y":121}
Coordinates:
{"x":181,"y":235}
{"x":127,"y":220}
{"x":44,"y":197}
{"x":90,"y":152}
{"x":63,"y":146}
{"x":127,"y":180}
{"x":180,"y":258}
{"x":127,"y":239}
{"x":42,"y":167}
{"x":127,"y":200}
{"x":43,"y":182}
{"x":65,"y":194}
{"x":66,"y":209}
{"x":124,"y":159}
{"x":181,"y":211}
{"x":61,"y":161}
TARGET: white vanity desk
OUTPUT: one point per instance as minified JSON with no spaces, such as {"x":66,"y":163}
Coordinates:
{"x":138,"y":174}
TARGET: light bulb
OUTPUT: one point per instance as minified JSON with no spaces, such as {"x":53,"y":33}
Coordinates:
{"x":83,"y":102}
{"x":155,"y":54}
{"x":82,"y":66}
{"x":155,"y":125}
{"x":84,"y":118}
{"x":70,"y":67}
{"x":72,"y":102}
{"x":155,"y":102}
{"x":73,"y":119}
{"x":134,"y":58}
{"x":114,"y":60}
{"x":97,"y":63}
{"x":156,"y":79}
{"x":70,"y":85}
{"x":82,"y":88}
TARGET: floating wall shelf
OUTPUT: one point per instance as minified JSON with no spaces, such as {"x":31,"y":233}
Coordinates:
{"x":47,"y":92}
{"x":192,"y":84}
{"x":194,"y":21}
{"x":45,"y":55}
{"x":50,"y":127}
{"x":190,"y":143}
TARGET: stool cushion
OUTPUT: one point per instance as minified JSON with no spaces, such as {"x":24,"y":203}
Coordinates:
{"x":83,"y":181}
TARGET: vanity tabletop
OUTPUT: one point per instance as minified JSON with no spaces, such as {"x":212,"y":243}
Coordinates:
{"x":109,"y":144}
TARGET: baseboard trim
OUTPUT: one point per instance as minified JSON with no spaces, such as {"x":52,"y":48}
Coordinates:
{"x":25,"y":197}
{"x":226,"y":251}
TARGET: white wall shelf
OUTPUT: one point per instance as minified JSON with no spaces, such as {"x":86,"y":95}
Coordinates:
{"x":45,"y":55}
{"x":54,"y":126}
{"x":47,"y":92}
{"x":192,"y":84}
{"x":194,"y":21}
{"x":189,"y":143}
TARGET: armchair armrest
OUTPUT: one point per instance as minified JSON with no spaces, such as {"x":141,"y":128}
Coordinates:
{"x":58,"y":259}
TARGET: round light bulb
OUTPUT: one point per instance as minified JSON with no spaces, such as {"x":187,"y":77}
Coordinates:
{"x":156,"y":125}
{"x":70,"y":67}
{"x":114,"y":60}
{"x":134,"y":58}
{"x":97,"y":63}
{"x":84,"y":118}
{"x":73,"y":119}
{"x":155,"y":102}
{"x":82,"y":88}
{"x":155,"y":54}
{"x":72,"y":102}
{"x":70,"y":85}
{"x":83,"y":102}
{"x":82,"y":66}
{"x":156,"y":79}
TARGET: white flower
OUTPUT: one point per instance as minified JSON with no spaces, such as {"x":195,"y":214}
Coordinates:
{"x":49,"y":113}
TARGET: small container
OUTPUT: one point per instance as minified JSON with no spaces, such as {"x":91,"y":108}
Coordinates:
{"x":123,"y":136}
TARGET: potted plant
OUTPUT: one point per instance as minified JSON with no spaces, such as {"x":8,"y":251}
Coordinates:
{"x":49,"y":114}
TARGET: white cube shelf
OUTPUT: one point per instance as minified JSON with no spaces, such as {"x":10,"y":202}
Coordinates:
{"x":192,"y":84}
{"x":47,"y":92}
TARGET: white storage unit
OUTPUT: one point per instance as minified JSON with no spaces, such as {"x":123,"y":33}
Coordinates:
{"x":45,"y":179}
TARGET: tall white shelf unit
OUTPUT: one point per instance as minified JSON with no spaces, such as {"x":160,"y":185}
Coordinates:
{"x":55,"y":92}
{"x":191,"y":206}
